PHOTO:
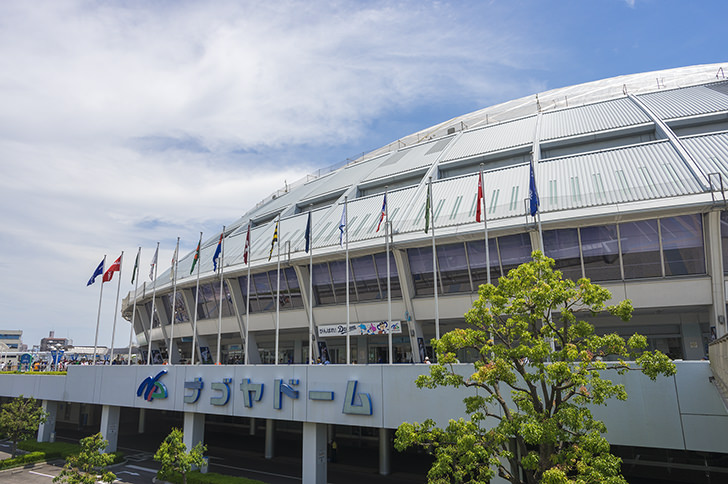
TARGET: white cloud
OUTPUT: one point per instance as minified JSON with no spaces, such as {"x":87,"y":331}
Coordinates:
{"x":127,"y":123}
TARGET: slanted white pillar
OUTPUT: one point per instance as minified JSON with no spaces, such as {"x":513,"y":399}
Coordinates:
{"x":252,"y":426}
{"x":47,"y":430}
{"x":194,"y":429}
{"x":110,"y":426}
{"x":142,"y":420}
{"x":385,"y":452}
{"x":269,"y":438}
{"x":314,"y":453}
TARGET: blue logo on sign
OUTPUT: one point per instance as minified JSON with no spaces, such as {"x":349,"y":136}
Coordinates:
{"x":151,"y":388}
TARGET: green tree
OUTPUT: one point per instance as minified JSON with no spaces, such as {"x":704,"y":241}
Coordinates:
{"x":174,"y":457}
{"x":19,"y":419}
{"x":538,"y":371}
{"x":89,"y":465}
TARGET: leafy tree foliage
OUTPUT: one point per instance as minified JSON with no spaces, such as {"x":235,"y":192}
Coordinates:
{"x":539,"y":369}
{"x":89,"y":465}
{"x":19,"y":419}
{"x":174,"y":456}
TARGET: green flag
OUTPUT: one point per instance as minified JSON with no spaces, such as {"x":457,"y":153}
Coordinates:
{"x":197,"y":255}
{"x":427,"y":207}
{"x":136,"y":266}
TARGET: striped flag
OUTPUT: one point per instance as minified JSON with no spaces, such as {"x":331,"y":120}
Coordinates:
{"x":217,"y":253}
{"x":384,"y":210}
{"x":246,"y":251}
{"x":273,"y":242}
{"x":153,"y":263}
{"x":479,"y":210}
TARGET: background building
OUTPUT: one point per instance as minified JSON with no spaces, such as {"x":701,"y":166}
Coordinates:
{"x":13,"y":338}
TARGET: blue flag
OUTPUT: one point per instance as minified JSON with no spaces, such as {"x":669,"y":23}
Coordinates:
{"x":99,"y":270}
{"x":308,"y":232}
{"x":217,"y":253}
{"x":342,"y":225}
{"x":533,"y":193}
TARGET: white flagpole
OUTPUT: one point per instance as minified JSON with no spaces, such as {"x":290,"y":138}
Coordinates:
{"x":346,"y":230}
{"x":222,"y":295}
{"x":278,"y":290}
{"x":98,"y":316}
{"x":197,"y":299}
{"x":174,"y":303}
{"x":485,"y":227}
{"x":434,"y":263}
{"x":154,"y":297}
{"x":247,"y":300}
{"x":133,"y":308}
{"x":387,"y":228}
{"x":310,"y":288}
{"x":116,"y":309}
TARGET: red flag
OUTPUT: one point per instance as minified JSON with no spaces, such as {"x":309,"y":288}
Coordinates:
{"x":246,"y":252}
{"x":479,"y":211}
{"x":384,"y":211}
{"x":115,"y":267}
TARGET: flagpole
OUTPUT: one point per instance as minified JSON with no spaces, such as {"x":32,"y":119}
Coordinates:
{"x":197,"y":298}
{"x":247,"y":300}
{"x":485,"y":226}
{"x":346,"y":229}
{"x":154,"y":301}
{"x":133,"y":310}
{"x":310,"y":287}
{"x":278,"y":283}
{"x":174,"y":303}
{"x":387,"y":228}
{"x":434,"y":263}
{"x":116,"y":309}
{"x":219,"y":308}
{"x":98,"y":316}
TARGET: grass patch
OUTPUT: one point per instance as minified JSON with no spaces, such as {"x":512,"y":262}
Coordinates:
{"x":196,"y":477}
{"x":45,"y":451}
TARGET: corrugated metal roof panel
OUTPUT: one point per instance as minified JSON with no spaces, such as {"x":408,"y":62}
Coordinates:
{"x":591,"y":118}
{"x":710,"y":152}
{"x":344,"y":177}
{"x":407,"y":159}
{"x":689,"y":101}
{"x":648,"y":171}
{"x":493,"y":138}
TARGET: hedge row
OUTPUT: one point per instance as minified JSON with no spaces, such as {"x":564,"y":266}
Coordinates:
{"x":210,"y":478}
{"x":45,"y":451}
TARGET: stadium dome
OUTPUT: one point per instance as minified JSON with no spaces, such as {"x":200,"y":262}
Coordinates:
{"x":631,"y":174}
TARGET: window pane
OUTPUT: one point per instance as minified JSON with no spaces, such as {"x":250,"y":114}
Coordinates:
{"x":294,"y":290}
{"x":682,"y":244}
{"x":180,"y":308}
{"x":453,"y":268}
{"x":381,"y":262}
{"x":420,"y":260}
{"x":365,"y":276}
{"x":338,"y":272}
{"x":640,"y":249}
{"x":600,"y":249}
{"x":263,"y":291}
{"x":563,"y":246}
{"x":476,"y":257}
{"x":322,"y":289}
{"x":514,"y":250}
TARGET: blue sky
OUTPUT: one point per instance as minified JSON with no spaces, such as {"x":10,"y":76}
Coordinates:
{"x":127,"y":123}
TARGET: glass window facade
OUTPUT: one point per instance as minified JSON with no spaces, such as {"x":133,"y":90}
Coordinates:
{"x":367,"y":280}
{"x":209,"y":301}
{"x":671,"y":246}
{"x":180,"y":310}
{"x":264,"y":287}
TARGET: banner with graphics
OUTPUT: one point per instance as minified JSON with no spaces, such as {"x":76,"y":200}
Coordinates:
{"x":359,"y":329}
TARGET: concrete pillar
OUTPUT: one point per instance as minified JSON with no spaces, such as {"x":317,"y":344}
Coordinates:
{"x":270,"y":438}
{"x":110,"y":426}
{"x":714,"y":256}
{"x":298,"y":352}
{"x":252,"y":425}
{"x":194,"y":429}
{"x":314,"y":453}
{"x":47,"y":430}
{"x":142,"y":420}
{"x":692,"y":341}
{"x":385,"y":452}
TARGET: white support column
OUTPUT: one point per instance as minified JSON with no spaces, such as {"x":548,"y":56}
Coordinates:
{"x":110,"y":426}
{"x":407,"y":286}
{"x":314,"y":453}
{"x":269,"y":438}
{"x":714,"y":256}
{"x":47,"y":430}
{"x":142,"y":420}
{"x":385,"y":452}
{"x":194,"y":429}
